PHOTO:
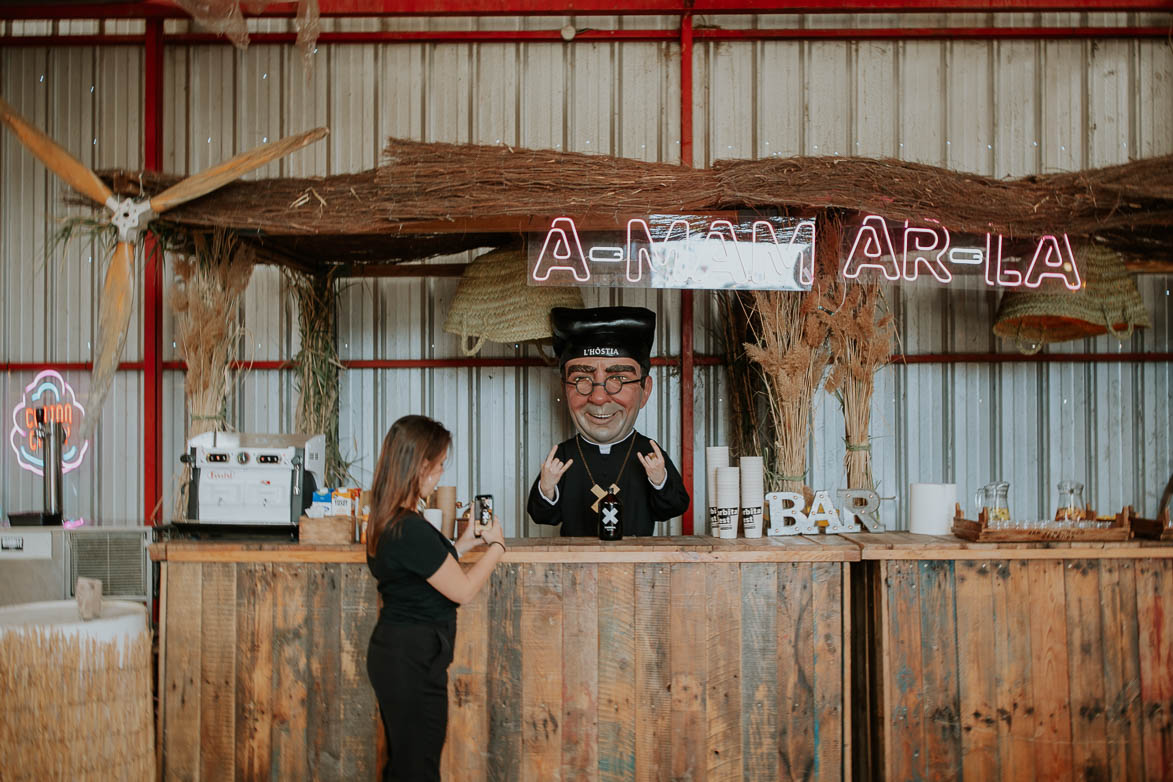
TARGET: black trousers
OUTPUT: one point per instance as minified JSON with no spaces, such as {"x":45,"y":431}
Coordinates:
{"x":408,"y":667}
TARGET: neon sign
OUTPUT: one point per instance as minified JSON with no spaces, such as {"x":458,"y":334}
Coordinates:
{"x":679,"y":251}
{"x":48,"y":390}
{"x":928,"y":248}
{"x":778,"y":253}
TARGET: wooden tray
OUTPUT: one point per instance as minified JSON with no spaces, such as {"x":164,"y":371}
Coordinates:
{"x":1160,"y":528}
{"x":328,"y":529}
{"x":978,"y":531}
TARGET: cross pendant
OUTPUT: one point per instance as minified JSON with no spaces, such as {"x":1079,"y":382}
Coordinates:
{"x":600,"y":494}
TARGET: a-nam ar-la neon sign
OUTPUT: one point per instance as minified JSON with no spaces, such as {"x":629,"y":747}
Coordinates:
{"x":691,"y":251}
{"x":49,"y":391}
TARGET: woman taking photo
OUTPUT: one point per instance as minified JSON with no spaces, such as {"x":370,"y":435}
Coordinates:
{"x":421,"y":584}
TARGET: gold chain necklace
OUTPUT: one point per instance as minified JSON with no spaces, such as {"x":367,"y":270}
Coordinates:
{"x":595,"y":488}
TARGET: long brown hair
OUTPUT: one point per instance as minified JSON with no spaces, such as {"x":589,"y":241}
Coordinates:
{"x":411,"y":444}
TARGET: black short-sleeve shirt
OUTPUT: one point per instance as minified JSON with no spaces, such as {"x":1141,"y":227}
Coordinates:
{"x":404,"y":561}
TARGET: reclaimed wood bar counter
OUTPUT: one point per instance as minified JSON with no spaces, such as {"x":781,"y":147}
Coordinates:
{"x":652,"y":658}
{"x":1014,"y":661}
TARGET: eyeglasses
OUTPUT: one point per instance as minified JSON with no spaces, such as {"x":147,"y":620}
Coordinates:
{"x":612,"y":385}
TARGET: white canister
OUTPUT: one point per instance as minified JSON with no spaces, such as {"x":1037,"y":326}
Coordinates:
{"x":930,"y":508}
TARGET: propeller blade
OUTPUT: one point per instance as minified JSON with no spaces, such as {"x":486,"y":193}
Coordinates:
{"x":114,"y":311}
{"x":56,"y":159}
{"x":205,"y":182}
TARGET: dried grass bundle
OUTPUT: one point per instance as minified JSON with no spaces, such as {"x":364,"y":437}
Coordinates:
{"x":316,"y":365}
{"x":362,"y":217}
{"x":861,"y":333}
{"x":211,"y":274}
{"x":1130,"y":206}
{"x":792,"y":351}
{"x":751,"y":425}
{"x":76,"y":709}
{"x":432,"y":181}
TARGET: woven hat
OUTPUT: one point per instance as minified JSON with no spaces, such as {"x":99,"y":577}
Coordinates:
{"x":494,"y":303}
{"x":1108,"y":303}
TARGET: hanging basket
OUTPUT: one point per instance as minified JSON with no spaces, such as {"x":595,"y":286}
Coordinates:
{"x":1108,"y":303}
{"x":494,"y":303}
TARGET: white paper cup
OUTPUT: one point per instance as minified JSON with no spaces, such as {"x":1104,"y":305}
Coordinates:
{"x":715,"y":456}
{"x":752,"y":495}
{"x":728,"y":501}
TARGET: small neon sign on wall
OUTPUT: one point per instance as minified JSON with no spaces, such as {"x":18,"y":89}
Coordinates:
{"x":48,"y":390}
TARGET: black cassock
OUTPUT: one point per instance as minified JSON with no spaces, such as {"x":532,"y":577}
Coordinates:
{"x":643,"y":505}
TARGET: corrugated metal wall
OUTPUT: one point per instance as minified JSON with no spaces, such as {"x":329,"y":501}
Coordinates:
{"x":994,"y":107}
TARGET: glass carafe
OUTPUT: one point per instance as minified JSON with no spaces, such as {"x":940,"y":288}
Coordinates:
{"x":1070,"y":506}
{"x":994,"y":499}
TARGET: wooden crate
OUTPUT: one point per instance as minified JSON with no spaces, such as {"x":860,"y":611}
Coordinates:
{"x":326,"y":530}
{"x":1021,"y":669}
{"x":980,"y":531}
{"x":1160,"y":528}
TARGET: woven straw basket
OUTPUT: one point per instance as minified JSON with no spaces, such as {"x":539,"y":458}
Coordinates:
{"x":75,"y":697}
{"x":1109,"y":303}
{"x":494,"y":303}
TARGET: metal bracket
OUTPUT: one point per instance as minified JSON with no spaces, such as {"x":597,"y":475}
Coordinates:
{"x":130,"y":217}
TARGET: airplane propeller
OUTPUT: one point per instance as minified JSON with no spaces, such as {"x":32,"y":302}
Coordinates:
{"x":130,"y":216}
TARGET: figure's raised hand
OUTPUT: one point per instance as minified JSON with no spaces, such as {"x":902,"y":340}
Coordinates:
{"x":654,"y":464}
{"x":553,"y":469}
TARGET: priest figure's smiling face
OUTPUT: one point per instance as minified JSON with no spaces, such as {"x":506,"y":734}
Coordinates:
{"x":601,"y":416}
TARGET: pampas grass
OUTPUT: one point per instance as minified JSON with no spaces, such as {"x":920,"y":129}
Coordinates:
{"x":211,"y":274}
{"x":316,"y":365}
{"x":861,"y":332}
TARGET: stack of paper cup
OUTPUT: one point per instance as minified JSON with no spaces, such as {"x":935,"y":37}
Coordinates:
{"x":715,"y":456}
{"x":752,"y":495}
{"x":728,"y":496}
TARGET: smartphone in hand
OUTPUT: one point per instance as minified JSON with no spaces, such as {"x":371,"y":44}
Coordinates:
{"x":483,"y":510}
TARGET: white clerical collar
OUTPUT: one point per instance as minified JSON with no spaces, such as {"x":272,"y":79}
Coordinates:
{"x":605,"y":448}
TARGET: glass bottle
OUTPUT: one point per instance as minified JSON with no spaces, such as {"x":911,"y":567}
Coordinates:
{"x":610,"y":517}
{"x":1070,"y":506}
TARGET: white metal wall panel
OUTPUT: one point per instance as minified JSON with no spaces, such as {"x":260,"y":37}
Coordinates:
{"x":1004,"y":108}
{"x":87,"y":100}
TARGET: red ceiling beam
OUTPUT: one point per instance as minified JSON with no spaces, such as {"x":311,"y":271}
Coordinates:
{"x":589,"y":36}
{"x":156,"y":9}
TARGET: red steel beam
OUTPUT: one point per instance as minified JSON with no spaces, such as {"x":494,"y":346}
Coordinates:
{"x":594,"y":36}
{"x":660,"y":361}
{"x":158,"y":9}
{"x":63,"y":366}
{"x":687,"y":391}
{"x":153,"y":283}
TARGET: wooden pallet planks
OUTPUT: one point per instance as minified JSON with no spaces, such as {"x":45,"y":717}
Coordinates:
{"x":653,"y":740}
{"x":561,"y":670}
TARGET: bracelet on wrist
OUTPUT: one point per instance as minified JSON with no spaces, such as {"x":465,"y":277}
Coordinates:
{"x":499,"y":543}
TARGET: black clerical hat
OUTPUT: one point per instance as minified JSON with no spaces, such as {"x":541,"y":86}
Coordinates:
{"x":625,"y":332}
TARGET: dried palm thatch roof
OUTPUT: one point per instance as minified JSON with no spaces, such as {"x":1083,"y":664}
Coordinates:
{"x":1128,"y":206}
{"x":429,"y":199}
